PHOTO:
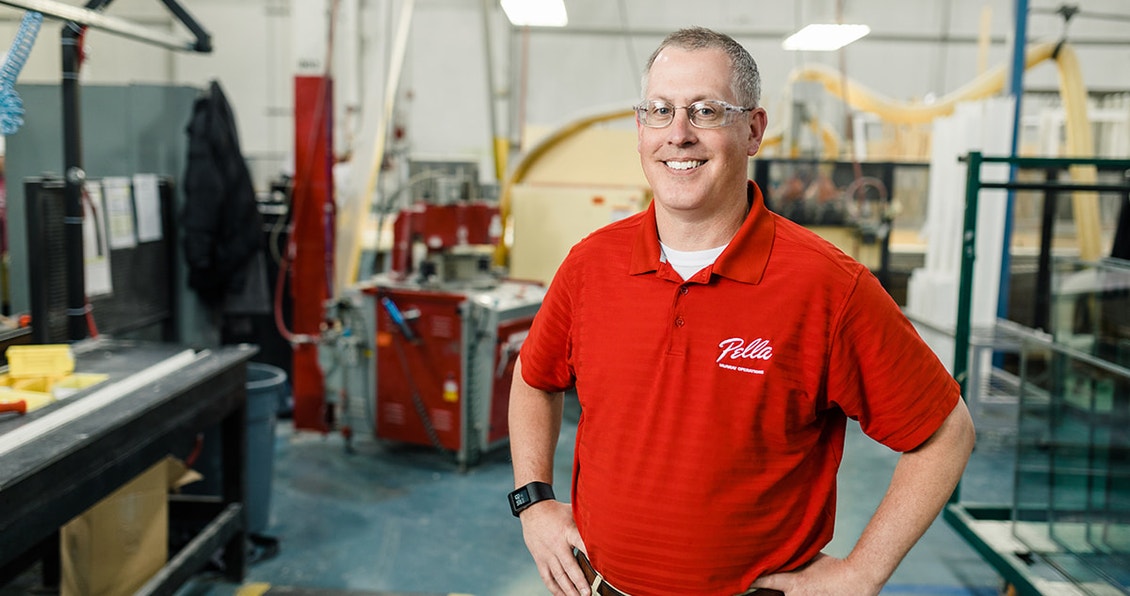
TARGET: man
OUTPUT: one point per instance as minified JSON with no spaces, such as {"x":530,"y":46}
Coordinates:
{"x":717,"y":350}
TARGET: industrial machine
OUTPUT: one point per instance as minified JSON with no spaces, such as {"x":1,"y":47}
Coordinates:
{"x":448,"y":330}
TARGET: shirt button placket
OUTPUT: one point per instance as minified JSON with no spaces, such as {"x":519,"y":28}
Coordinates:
{"x":683,"y":291}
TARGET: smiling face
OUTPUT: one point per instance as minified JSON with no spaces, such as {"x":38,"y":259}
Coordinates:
{"x":697,"y":172}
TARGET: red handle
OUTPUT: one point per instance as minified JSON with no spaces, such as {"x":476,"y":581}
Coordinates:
{"x":18,"y":406}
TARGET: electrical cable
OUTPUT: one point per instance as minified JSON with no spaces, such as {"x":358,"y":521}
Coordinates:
{"x":632,"y":62}
{"x":329,"y":214}
{"x":88,"y":308}
{"x":417,"y":401}
{"x":405,"y":334}
{"x":860,"y":181}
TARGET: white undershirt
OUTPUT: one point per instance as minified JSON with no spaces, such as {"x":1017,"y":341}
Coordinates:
{"x":688,"y":263}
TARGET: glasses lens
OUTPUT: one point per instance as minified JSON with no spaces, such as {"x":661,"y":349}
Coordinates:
{"x":707,"y":114}
{"x":656,"y":113}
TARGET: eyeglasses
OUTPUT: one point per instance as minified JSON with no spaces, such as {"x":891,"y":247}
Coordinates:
{"x":708,"y":113}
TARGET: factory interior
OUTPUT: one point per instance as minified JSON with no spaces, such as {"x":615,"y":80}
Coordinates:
{"x":267,"y":267}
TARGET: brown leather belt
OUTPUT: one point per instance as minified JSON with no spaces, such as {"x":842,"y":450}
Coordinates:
{"x":603,"y":588}
{"x":599,"y":586}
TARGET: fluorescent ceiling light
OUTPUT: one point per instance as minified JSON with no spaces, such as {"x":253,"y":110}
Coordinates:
{"x":536,"y":13}
{"x":824,"y":38}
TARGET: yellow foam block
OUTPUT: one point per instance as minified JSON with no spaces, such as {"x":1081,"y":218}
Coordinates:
{"x":31,"y":400}
{"x":48,"y":360}
{"x":37,"y":384}
{"x":41,"y":391}
{"x":72,"y":384}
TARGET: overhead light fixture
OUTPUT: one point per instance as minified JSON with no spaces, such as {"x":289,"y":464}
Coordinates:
{"x":536,"y":13}
{"x":824,"y":37}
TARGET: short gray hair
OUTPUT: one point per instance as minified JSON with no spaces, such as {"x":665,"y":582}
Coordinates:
{"x":745,"y":80}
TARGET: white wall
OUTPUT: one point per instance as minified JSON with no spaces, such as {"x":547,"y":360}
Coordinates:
{"x":586,"y":67}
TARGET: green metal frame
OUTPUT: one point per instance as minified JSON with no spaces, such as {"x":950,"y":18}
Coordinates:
{"x":961,"y":517}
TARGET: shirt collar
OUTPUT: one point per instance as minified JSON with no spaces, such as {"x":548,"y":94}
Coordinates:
{"x":744,"y":260}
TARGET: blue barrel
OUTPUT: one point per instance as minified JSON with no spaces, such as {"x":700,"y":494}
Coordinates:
{"x":266,"y":389}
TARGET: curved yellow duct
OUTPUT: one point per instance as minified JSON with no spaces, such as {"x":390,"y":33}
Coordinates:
{"x":1080,"y":143}
{"x":830,"y":141}
{"x":900,"y":112}
{"x":1079,"y":139}
{"x":501,"y":251}
{"x":828,"y":137}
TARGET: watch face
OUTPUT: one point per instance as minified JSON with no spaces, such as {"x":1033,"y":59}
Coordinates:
{"x":521,"y":498}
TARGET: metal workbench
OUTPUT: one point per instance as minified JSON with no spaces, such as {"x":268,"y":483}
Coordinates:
{"x":157,"y":396}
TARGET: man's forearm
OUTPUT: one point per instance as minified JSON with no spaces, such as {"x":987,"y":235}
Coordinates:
{"x":535,"y":424}
{"x":922,"y":483}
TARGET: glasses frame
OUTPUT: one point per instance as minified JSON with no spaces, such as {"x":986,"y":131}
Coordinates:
{"x":728,"y":111}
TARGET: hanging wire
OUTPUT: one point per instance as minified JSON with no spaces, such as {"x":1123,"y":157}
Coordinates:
{"x":625,"y":30}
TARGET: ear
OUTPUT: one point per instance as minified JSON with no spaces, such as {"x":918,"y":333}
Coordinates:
{"x":758,"y":121}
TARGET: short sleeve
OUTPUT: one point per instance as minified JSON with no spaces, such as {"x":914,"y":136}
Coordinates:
{"x":546,"y":361}
{"x":883,"y":374}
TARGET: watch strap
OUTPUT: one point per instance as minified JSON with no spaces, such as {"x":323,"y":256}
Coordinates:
{"x":529,"y":494}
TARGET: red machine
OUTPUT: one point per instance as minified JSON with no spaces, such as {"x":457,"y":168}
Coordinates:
{"x":448,"y":332}
{"x":442,"y":229}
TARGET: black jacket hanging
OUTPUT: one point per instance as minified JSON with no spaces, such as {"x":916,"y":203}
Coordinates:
{"x":222,"y":225}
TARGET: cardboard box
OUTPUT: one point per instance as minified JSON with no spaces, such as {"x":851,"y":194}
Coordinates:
{"x":118,"y":544}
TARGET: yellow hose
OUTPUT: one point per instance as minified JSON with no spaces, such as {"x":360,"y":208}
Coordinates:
{"x":352,"y":221}
{"x":1080,"y":142}
{"x":1079,"y":139}
{"x":899,"y":112}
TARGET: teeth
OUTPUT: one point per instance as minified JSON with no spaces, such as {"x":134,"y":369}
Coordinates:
{"x":684,"y":165}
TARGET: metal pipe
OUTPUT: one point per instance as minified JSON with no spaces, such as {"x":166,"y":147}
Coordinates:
{"x":778,"y":35}
{"x":495,"y":138}
{"x":74,"y":176}
{"x":203,"y":43}
{"x":1042,"y":318}
{"x":1016,"y":89}
{"x":90,"y":18}
{"x":962,"y":329}
{"x":73,"y":179}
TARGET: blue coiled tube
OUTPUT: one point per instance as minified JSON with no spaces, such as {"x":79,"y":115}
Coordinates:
{"x":11,"y":108}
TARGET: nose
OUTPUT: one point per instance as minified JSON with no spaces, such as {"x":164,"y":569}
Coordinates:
{"x":681,"y":131}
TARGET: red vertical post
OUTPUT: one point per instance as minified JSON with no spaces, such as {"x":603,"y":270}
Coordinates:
{"x":312,"y":232}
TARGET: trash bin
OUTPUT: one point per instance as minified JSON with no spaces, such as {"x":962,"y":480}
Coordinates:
{"x":267,"y":387}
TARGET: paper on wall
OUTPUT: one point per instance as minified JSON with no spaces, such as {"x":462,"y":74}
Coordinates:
{"x":148,"y":202}
{"x":119,"y":211}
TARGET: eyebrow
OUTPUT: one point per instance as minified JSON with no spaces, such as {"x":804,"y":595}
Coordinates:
{"x":698,"y":99}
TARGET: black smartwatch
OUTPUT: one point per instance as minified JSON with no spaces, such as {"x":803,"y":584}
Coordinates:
{"x":527,"y":495}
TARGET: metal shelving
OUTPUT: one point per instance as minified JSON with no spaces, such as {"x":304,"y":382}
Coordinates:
{"x":1065,"y":528}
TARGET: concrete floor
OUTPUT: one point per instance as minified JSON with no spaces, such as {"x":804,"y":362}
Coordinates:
{"x":405,"y":520}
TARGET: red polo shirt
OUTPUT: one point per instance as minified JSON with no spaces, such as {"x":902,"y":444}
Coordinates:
{"x":714,"y":409}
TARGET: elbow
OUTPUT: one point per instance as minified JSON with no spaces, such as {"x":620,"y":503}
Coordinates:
{"x":956,"y":436}
{"x":965,"y":431}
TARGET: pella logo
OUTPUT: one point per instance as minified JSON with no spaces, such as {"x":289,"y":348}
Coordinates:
{"x":737,"y":348}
